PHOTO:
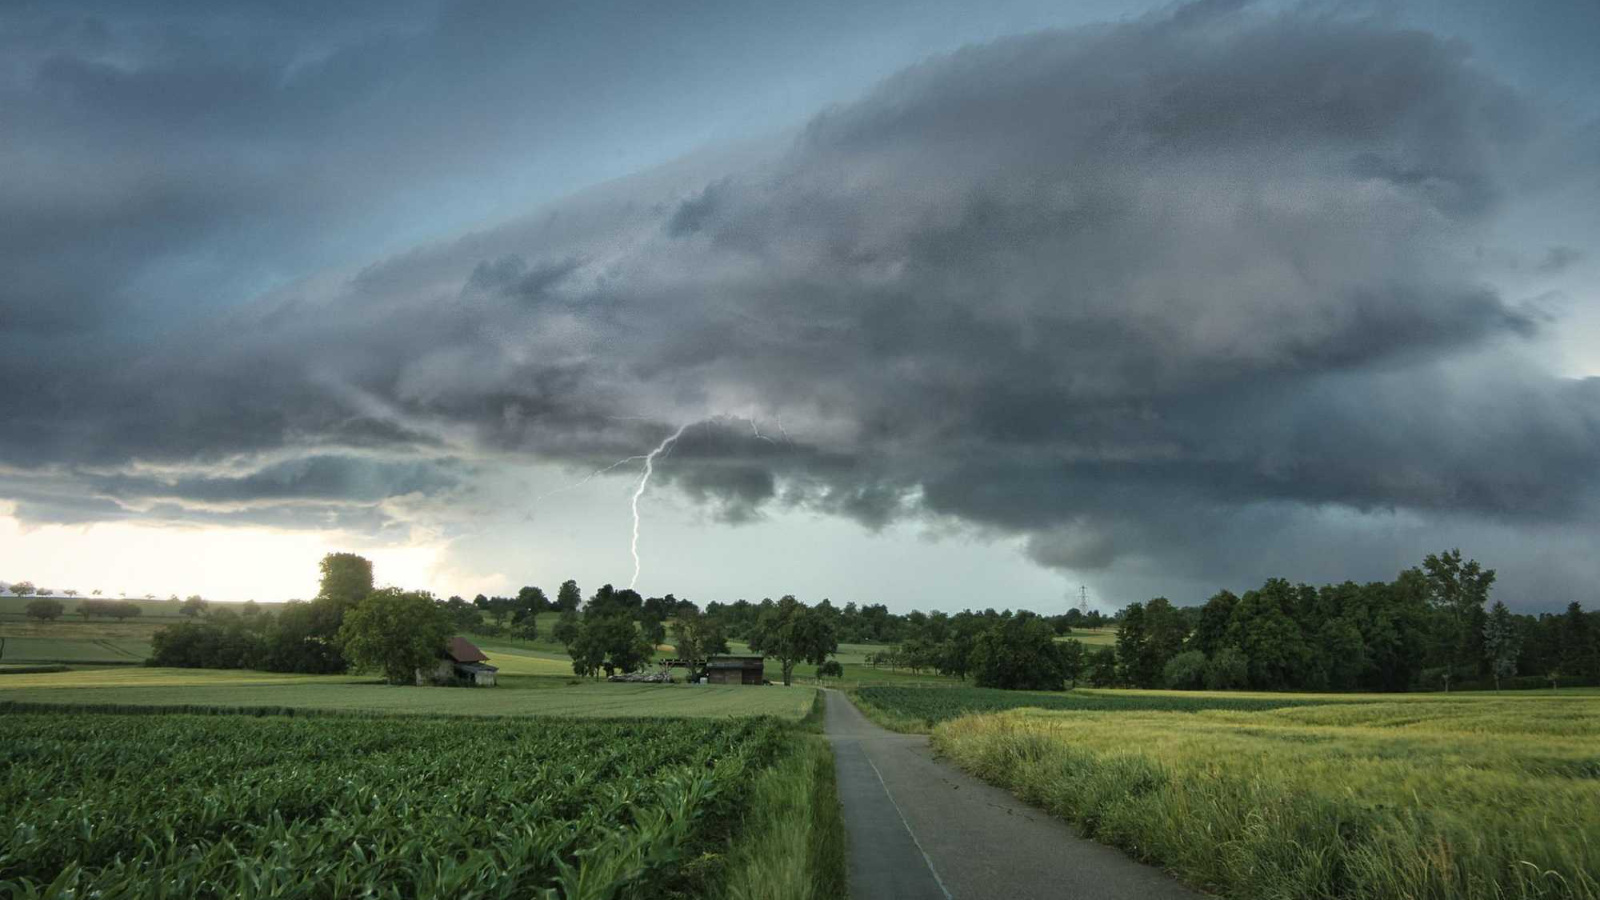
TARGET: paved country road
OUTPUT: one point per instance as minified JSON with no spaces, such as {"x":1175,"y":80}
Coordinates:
{"x":922,"y":830}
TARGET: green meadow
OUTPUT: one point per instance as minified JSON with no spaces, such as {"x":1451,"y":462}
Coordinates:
{"x":1426,"y":796}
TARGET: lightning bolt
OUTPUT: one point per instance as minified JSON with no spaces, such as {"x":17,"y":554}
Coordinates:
{"x":644,"y":482}
{"x":661,"y":452}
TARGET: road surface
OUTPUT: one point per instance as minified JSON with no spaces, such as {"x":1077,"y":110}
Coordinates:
{"x":922,"y":830}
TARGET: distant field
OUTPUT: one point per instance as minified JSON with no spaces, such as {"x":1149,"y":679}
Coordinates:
{"x":1096,"y":637}
{"x":1470,"y":796}
{"x":523,"y":695}
{"x":72,"y":648}
{"x":76,"y":641}
{"x":14,"y":607}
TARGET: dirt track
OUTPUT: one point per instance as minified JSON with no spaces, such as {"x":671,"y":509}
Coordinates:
{"x":922,"y":830}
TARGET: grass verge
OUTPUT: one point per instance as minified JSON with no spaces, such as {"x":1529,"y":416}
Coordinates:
{"x":793,"y":838}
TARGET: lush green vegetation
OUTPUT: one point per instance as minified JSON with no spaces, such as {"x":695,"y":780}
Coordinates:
{"x":149,"y":806}
{"x":1431,"y":628}
{"x":919,"y":708}
{"x":1474,"y":796}
{"x":793,"y":844}
{"x":205,"y":690}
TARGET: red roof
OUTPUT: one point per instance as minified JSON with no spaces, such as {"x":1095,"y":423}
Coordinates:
{"x":463,"y":651}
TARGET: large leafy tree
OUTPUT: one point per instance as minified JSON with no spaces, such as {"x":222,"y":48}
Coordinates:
{"x":1018,"y":653}
{"x":1211,"y":629}
{"x":791,"y":633}
{"x":22,"y":588}
{"x":568,"y":597}
{"x":609,"y":641}
{"x":394,"y":632}
{"x":1269,"y":637}
{"x":45,"y":610}
{"x":346,"y":581}
{"x":1458,"y":591}
{"x":697,"y":635}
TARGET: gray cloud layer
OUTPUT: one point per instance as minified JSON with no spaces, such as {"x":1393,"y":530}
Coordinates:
{"x":1153,"y":291}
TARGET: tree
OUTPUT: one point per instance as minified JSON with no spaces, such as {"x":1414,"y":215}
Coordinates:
{"x":1074,"y":659}
{"x":1456,"y":589}
{"x":23,"y":588}
{"x":45,"y":610}
{"x":294,"y":643}
{"x":1150,"y":635}
{"x":394,"y":632}
{"x":1211,"y":631}
{"x":1018,"y":653}
{"x":1501,"y":643}
{"x":1269,"y":637}
{"x":1580,"y":649}
{"x":566,"y":630}
{"x":1103,"y":668}
{"x":696,"y":635}
{"x":346,"y":578}
{"x":126,"y":609}
{"x":71,"y":592}
{"x":568,"y":597}
{"x":529,"y":603}
{"x":654,"y":630}
{"x":1228,"y":670}
{"x":609,"y":641}
{"x":463,"y":615}
{"x":1186,"y":671}
{"x":830,"y":669}
{"x":791,"y":633}
{"x":194,"y":606}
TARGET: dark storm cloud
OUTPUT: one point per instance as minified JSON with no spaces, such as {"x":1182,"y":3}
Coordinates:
{"x":1131,"y":291}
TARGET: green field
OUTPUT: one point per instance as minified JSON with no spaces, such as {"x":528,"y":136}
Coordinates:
{"x":919,"y":708}
{"x":212,"y":806}
{"x":516,"y":696}
{"x":94,"y":642}
{"x":1466,"y":796}
{"x":1092,"y":637}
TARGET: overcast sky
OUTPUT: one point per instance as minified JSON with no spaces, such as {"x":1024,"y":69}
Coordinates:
{"x":948,"y":304}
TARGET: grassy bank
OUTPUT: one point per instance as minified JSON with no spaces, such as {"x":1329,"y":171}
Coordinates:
{"x":795,"y":844}
{"x":1480,"y":797}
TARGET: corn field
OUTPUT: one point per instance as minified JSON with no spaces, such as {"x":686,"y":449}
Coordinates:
{"x":206,"y":806}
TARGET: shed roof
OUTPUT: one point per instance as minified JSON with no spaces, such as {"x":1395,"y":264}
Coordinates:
{"x":735,"y":662}
{"x":463,"y":651}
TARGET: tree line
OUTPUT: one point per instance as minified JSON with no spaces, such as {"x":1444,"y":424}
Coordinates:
{"x":1431,"y":628}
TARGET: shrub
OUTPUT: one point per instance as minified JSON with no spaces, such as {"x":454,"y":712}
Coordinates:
{"x":45,"y":610}
{"x":1228,"y":670}
{"x":1186,"y":671}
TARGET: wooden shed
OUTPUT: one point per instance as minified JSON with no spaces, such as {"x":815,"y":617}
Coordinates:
{"x":735,"y":670}
{"x":461,"y":663}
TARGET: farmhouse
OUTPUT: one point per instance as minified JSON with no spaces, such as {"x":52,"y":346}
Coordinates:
{"x":735,"y":670}
{"x":461,"y":663}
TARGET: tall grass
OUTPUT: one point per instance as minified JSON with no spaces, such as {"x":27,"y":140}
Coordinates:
{"x":792,"y":843}
{"x":1494,"y":799}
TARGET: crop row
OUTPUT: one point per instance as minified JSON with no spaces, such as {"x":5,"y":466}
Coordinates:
{"x":180,"y":806}
{"x":937,"y":704}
